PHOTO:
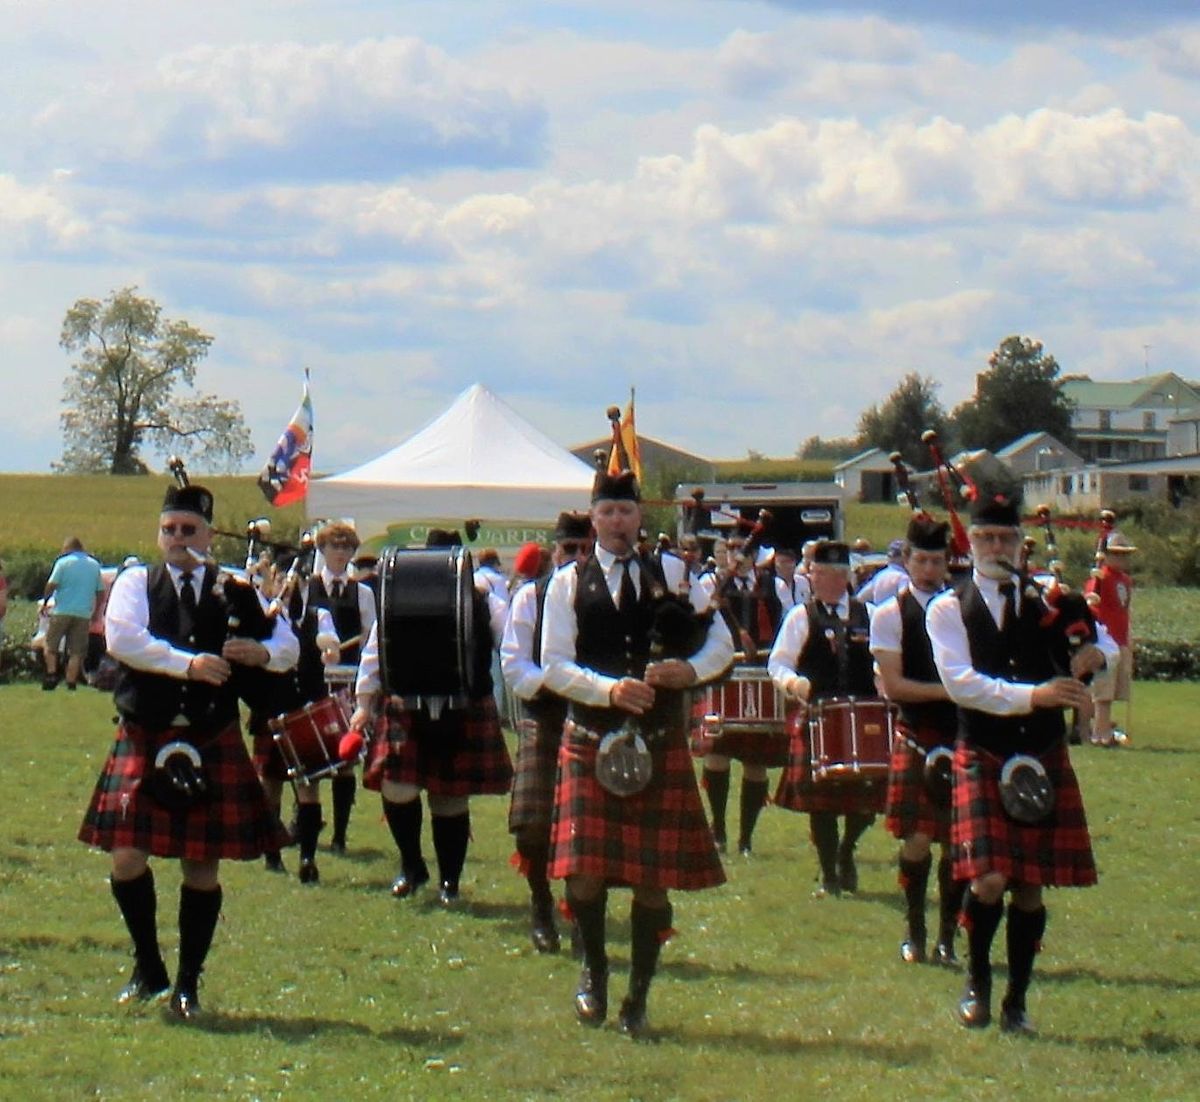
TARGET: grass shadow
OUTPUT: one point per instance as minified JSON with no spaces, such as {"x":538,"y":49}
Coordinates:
{"x":885,"y":1053}
{"x":1150,"y":1043}
{"x":308,"y":1029}
{"x":1074,"y":974}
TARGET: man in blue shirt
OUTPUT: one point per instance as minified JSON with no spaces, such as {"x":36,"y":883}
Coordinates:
{"x":77,"y":588}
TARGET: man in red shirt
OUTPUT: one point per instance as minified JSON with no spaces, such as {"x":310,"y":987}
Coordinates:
{"x":1109,"y":591}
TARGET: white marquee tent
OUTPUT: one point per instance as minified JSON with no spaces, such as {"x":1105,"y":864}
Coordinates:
{"x":478,"y":459}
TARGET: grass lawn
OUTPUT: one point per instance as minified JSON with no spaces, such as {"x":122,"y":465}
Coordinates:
{"x":339,"y":991}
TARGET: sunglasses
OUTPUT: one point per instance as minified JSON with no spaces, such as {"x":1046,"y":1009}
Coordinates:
{"x":179,"y":529}
{"x":573,"y":547}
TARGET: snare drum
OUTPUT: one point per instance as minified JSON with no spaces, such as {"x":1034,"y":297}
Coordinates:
{"x":742,"y":716}
{"x":308,"y":739}
{"x":426,"y":623}
{"x":850,"y":738}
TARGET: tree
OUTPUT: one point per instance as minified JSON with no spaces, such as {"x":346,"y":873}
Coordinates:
{"x":121,"y":393}
{"x":1018,"y":394}
{"x":837,"y":448}
{"x":897,"y":424}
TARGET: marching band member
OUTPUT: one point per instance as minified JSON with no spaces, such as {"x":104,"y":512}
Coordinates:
{"x":1111,"y":589}
{"x":540,"y":729}
{"x":822,"y":651}
{"x":453,"y":757}
{"x":202,"y":802}
{"x":791,"y":587}
{"x":627,"y":809}
{"x":1021,"y":830}
{"x":928,"y":723}
{"x":332,"y":617}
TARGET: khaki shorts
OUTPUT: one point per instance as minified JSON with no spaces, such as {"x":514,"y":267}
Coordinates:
{"x":1113,"y":683}
{"x":72,"y":628}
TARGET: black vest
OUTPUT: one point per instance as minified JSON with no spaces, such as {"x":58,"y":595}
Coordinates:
{"x":916,"y":664}
{"x":1019,"y":654}
{"x":836,"y":658}
{"x":616,"y":642}
{"x":347,"y":622}
{"x":152,"y":700}
{"x":744,"y":605}
{"x":547,"y":708}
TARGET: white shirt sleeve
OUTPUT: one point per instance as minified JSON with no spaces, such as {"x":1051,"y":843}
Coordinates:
{"x":789,"y":645}
{"x":887,"y":628}
{"x":127,"y":631}
{"x":368,"y":682}
{"x":521,"y":672}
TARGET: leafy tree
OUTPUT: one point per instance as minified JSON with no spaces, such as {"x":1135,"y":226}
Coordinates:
{"x":1019,"y":393}
{"x":121,"y":392}
{"x":837,"y":448}
{"x":897,"y":424}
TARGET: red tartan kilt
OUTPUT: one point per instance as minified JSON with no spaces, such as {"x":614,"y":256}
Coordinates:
{"x":232,"y":823}
{"x":532,"y":805}
{"x":797,"y":790}
{"x":462,"y":753}
{"x":268,"y":761}
{"x":1057,"y":853}
{"x":765,"y":748}
{"x":656,"y":839}
{"x":909,"y":808}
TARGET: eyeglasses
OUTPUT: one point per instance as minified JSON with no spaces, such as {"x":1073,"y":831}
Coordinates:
{"x":180,"y":529}
{"x":573,"y":547}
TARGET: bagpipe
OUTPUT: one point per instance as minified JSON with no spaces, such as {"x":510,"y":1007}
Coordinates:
{"x":952,"y":483}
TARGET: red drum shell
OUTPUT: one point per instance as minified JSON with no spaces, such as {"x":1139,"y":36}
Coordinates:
{"x":308,"y":739}
{"x":850,"y":738}
{"x":746,"y":700}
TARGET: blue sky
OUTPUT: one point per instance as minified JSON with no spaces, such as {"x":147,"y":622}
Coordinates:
{"x":762,"y":215}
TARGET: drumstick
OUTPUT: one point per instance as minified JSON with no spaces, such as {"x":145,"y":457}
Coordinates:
{"x":353,"y":641}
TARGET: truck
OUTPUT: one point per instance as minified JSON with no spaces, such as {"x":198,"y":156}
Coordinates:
{"x":799,"y":511}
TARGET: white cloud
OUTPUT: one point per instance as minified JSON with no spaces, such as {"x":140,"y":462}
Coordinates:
{"x":35,"y":216}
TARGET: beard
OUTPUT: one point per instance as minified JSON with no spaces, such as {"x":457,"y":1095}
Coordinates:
{"x":994,"y":569}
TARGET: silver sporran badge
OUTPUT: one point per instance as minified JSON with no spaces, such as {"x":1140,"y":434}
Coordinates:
{"x":1026,"y":791}
{"x":623,"y":763}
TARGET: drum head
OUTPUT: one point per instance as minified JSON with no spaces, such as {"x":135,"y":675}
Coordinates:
{"x":623,"y":764}
{"x":426,"y":622}
{"x":1025,"y":789}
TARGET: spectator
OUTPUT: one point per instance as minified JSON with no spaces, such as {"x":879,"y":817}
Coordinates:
{"x":78,"y":590}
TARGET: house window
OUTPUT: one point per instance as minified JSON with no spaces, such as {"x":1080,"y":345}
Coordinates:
{"x":1066,"y":485}
{"x":1105,"y":420}
{"x":1148,"y":420}
{"x":1139,"y":483}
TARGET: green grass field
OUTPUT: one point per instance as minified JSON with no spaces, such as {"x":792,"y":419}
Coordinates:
{"x":339,"y":991}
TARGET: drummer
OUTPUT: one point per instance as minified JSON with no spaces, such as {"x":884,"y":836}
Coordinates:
{"x":918,"y":801}
{"x":457,"y":754}
{"x":822,"y":651}
{"x":332,"y":615}
{"x":539,"y":729}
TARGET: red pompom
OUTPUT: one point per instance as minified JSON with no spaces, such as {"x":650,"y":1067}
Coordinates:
{"x":350,"y":746}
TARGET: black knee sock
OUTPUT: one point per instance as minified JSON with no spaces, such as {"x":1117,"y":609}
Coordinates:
{"x":590,"y":921}
{"x":343,"y":787}
{"x":716,"y":784}
{"x":982,"y":919}
{"x":914,"y":879}
{"x":404,"y":821}
{"x":139,"y":908}
{"x":451,"y":835}
{"x":824,"y":828}
{"x":1024,"y":935}
{"x":308,"y":829}
{"x":856,"y":827}
{"x":951,"y":901}
{"x":754,"y":799}
{"x":198,"y":913}
{"x":536,"y":857}
{"x":648,"y":929}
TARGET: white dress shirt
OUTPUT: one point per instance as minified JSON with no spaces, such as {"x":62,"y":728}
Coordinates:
{"x":521,"y":671}
{"x":789,"y":645}
{"x":797,"y":593}
{"x":887,"y":623}
{"x":127,"y":632}
{"x":563,"y":675}
{"x":969,"y":688}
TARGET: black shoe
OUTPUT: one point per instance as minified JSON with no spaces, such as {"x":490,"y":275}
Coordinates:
{"x":146,"y":988}
{"x":405,"y":884}
{"x":974,"y":1008}
{"x":827,"y":888}
{"x":448,"y":895}
{"x":309,"y":873}
{"x":72,"y":686}
{"x":944,"y":955}
{"x":543,"y":933}
{"x":49,"y":684}
{"x":273,"y":862}
{"x":1013,"y":1019}
{"x":338,"y":847}
{"x":744,"y":848}
{"x":185,"y":1004}
{"x":912,"y":951}
{"x":632,"y":1016}
{"x":591,"y":999}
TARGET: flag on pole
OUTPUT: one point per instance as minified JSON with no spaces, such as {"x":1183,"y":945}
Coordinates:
{"x":285,"y":477}
{"x":625,"y":455}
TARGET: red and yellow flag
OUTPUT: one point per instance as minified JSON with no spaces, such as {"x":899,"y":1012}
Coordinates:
{"x":625,"y":454}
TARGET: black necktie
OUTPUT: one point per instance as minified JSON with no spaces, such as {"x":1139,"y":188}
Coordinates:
{"x":628,"y":589}
{"x":337,"y":590}
{"x":1008,"y":617}
{"x":187,"y":606}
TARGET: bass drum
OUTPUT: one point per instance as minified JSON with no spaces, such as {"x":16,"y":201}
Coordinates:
{"x":426,"y":623}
